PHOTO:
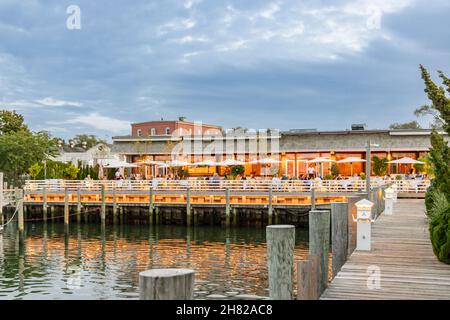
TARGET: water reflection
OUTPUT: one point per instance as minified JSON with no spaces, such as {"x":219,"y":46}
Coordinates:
{"x":103,"y":262}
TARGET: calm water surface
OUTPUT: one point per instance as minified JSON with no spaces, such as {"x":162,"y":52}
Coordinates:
{"x":92,"y":263}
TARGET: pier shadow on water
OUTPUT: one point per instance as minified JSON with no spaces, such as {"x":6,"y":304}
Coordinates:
{"x":91,"y":262}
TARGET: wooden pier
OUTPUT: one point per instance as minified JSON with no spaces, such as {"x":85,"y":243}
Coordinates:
{"x":403,"y":256}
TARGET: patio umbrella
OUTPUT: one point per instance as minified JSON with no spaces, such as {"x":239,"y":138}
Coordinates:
{"x":178,"y":163}
{"x":114,"y":163}
{"x":231,"y":162}
{"x":321,"y":160}
{"x":207,"y":163}
{"x":406,"y":160}
{"x":265,"y":161}
{"x":351,"y":160}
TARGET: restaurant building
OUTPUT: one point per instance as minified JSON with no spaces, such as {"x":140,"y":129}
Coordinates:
{"x":197,"y":142}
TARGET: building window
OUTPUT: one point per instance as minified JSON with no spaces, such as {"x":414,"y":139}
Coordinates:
{"x":139,"y":132}
{"x":167,"y":131}
{"x":153,"y":132}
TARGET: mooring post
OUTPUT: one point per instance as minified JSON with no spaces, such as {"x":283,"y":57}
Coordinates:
{"x":280,"y":260}
{"x":66,"y":206}
{"x":188,"y":206}
{"x":339,"y":235}
{"x":270,"y":208}
{"x":19,"y":204}
{"x":114,"y":208}
{"x":166,"y":284}
{"x":103,"y":205}
{"x":313,"y":198}
{"x":150,"y":204}
{"x":227,"y":207}
{"x":156,"y":215}
{"x":307,"y":278}
{"x":44,"y":203}
{"x":78,"y":205}
{"x":319,"y":245}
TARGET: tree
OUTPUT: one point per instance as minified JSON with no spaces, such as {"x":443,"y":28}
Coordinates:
{"x":19,"y":150}
{"x":407,"y":125}
{"x":379,"y":165}
{"x":10,"y":122}
{"x":440,"y":162}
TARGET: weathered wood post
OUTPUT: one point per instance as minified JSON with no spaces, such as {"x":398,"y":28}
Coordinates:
{"x":280,"y":260}
{"x":19,"y":204}
{"x":103,"y":205}
{"x":313,"y":197}
{"x":188,"y":206}
{"x":114,"y":205}
{"x":78,"y":205}
{"x":235,"y":216}
{"x":339,"y":235}
{"x":166,"y":284}
{"x":227,"y":207}
{"x":307,"y":278}
{"x":66,"y":206}
{"x":156,"y":215}
{"x":270,"y":208}
{"x":150,"y":204}
{"x":44,"y":203}
{"x":319,"y":244}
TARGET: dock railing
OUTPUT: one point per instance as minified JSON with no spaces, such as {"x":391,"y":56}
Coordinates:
{"x":221,"y":185}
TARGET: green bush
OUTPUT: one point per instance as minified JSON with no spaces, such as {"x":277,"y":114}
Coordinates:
{"x":379,"y":165}
{"x":398,"y":177}
{"x":362,"y":176}
{"x":440,"y":234}
{"x":335,"y":170}
{"x":328,"y":177}
{"x":235,"y":170}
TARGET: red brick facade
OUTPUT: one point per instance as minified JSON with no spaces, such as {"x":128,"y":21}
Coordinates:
{"x":160,"y":128}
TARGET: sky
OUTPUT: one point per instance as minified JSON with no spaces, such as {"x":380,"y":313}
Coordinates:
{"x":257,"y":64}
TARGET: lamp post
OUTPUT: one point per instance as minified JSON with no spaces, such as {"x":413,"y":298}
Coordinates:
{"x":368,"y":164}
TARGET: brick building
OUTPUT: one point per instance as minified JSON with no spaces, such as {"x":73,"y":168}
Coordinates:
{"x":179,"y":127}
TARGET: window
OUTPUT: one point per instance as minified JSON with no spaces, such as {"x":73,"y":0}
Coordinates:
{"x":167,"y":131}
{"x":139,"y":132}
{"x":153,"y":132}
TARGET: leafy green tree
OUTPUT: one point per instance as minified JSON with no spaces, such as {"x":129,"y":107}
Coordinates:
{"x":380,"y":165}
{"x":11,"y":122}
{"x":334,"y":170}
{"x":440,"y":162}
{"x":407,"y":125}
{"x":20,"y":149}
{"x":86,"y":140}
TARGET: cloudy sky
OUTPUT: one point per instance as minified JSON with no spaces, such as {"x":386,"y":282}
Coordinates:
{"x":258,"y":64}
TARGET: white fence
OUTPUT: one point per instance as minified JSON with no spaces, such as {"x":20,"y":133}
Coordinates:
{"x":220,"y":185}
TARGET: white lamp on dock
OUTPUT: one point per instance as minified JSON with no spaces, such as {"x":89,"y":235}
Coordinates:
{"x":364,"y":224}
{"x":389,"y":201}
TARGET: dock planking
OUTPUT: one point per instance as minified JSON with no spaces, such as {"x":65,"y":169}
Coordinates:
{"x":402,"y":250}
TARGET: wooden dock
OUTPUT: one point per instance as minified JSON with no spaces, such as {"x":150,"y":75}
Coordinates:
{"x":402,"y":251}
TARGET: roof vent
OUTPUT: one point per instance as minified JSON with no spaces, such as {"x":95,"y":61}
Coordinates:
{"x":359,"y":127}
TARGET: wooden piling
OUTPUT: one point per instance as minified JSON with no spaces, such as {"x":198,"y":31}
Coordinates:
{"x":114,"y":208}
{"x":235,"y":217}
{"x":156,"y":215}
{"x":44,"y":203}
{"x":319,"y":244}
{"x":339,"y":235}
{"x":307,"y":278}
{"x":313,"y":198}
{"x":19,"y":204}
{"x":78,"y":205}
{"x":166,"y":284}
{"x":227,"y":207}
{"x":150,"y":205}
{"x":188,"y":206}
{"x":270,"y":207}
{"x":66,"y":206}
{"x":103,"y":205}
{"x":280,"y":259}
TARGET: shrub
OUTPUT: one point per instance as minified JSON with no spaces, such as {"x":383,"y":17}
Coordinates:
{"x":440,"y":234}
{"x":379,"y":165}
{"x":235,"y":170}
{"x":328,"y":177}
{"x":398,"y":177}
{"x":362,"y":176}
{"x":335,"y":170}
